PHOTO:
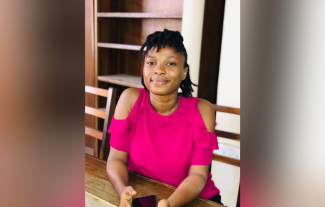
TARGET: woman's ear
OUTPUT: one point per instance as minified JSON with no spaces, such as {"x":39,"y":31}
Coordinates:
{"x":185,"y":73}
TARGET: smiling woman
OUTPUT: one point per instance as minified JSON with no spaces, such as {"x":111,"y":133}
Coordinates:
{"x":163,"y":70}
{"x":168,"y":45}
{"x":160,"y":133}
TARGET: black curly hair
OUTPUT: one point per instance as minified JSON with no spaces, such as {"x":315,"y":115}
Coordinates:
{"x":173,"y":39}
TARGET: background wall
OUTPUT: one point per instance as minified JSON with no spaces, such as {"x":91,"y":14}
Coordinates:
{"x":192,"y":27}
{"x":227,"y":177}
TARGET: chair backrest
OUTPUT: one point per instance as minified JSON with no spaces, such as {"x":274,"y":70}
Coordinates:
{"x":228,"y":135}
{"x":104,"y":114}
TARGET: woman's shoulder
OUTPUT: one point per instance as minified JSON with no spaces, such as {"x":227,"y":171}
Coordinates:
{"x":126,"y":102}
{"x":199,"y":112}
{"x":131,"y":95}
{"x":207,"y":112}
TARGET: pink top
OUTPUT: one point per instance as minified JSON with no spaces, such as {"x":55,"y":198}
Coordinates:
{"x":165,"y":147}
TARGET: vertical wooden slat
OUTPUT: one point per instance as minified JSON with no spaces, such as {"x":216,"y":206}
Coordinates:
{"x":96,"y":40}
{"x":90,"y":72}
{"x":211,"y":49}
{"x":110,"y":108}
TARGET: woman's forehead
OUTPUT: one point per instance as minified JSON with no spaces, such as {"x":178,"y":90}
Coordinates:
{"x":166,"y":51}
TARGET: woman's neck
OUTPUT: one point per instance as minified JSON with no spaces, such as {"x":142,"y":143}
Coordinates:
{"x":164,"y":105}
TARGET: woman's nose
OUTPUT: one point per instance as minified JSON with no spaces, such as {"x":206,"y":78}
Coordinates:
{"x":160,"y":70}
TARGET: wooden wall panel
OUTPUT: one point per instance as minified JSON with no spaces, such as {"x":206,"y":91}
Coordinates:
{"x":90,"y":72}
{"x":211,"y":49}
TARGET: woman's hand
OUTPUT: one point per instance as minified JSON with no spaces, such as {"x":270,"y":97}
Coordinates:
{"x":126,"y":196}
{"x":163,"y":203}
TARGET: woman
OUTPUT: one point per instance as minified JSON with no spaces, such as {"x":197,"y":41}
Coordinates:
{"x":160,"y":133}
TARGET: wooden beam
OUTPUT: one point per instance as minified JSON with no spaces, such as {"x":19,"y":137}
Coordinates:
{"x":211,"y":49}
{"x":90,"y":72}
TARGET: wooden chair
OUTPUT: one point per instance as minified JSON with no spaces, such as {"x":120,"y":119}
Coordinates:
{"x":227,"y":135}
{"x":106,"y":115}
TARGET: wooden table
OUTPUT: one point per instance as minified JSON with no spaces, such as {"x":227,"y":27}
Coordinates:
{"x":99,"y":190}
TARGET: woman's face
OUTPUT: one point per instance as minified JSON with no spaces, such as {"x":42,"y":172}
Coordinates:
{"x":163,"y":71}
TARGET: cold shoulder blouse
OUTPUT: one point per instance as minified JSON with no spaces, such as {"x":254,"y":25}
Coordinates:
{"x":165,"y":147}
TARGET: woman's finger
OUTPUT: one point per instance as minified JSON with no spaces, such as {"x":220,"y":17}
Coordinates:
{"x":131,"y":191}
{"x":125,"y":203}
{"x":126,"y":196}
{"x":163,"y":203}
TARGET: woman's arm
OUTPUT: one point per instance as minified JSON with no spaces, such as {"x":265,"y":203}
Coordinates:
{"x":118,"y":176}
{"x":116,"y":167}
{"x":194,"y":184}
{"x":189,"y":189}
{"x":117,"y":170}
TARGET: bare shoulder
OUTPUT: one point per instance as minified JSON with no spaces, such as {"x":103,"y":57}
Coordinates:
{"x":126,"y":102}
{"x":208,"y":114}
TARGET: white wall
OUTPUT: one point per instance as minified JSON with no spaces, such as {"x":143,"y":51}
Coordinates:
{"x":227,"y":177}
{"x":192,"y":27}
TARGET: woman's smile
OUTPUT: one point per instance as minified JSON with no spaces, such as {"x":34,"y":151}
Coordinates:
{"x":159,"y":81}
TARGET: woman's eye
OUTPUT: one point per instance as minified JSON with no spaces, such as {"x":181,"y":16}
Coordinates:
{"x":150,"y":63}
{"x":171,"y":63}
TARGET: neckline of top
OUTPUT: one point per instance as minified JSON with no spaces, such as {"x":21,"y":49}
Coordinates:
{"x":175,"y":112}
{"x":145,"y":103}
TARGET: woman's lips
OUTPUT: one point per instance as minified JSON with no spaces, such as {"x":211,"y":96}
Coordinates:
{"x":159,"y":81}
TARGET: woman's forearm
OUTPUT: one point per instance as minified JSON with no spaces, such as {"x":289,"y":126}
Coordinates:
{"x":188,"y":190}
{"x":117,"y":174}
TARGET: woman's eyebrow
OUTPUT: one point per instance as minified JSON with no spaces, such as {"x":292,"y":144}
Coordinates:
{"x":150,"y":56}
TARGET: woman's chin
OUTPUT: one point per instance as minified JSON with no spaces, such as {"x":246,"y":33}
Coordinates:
{"x":161,"y":90}
{"x":158,"y":90}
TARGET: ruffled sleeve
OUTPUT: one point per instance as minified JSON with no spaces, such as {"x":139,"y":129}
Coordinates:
{"x":119,"y":130}
{"x":204,"y":142}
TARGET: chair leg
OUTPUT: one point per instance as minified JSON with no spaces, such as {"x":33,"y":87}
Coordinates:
{"x":238,"y":198}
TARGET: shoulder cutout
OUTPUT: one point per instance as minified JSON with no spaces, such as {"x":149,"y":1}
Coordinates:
{"x":126,"y":102}
{"x":208,"y":114}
